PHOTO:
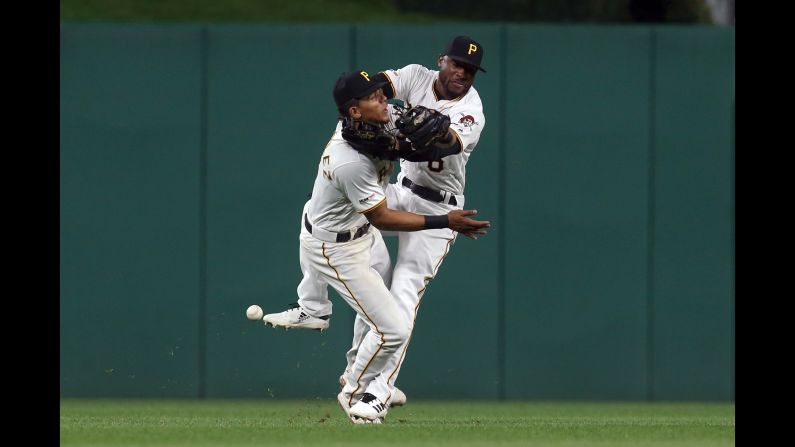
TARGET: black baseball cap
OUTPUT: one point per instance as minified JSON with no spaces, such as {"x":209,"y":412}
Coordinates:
{"x":355,"y":84}
{"x":466,"y":50}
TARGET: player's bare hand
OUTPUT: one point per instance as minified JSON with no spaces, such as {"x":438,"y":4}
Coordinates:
{"x":458,"y":221}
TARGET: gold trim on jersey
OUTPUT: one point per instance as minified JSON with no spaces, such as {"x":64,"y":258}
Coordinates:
{"x":374,"y":206}
{"x":391,"y":85}
{"x":378,"y":331}
{"x":436,"y":95}
{"x":433,"y":89}
{"x":458,"y":137}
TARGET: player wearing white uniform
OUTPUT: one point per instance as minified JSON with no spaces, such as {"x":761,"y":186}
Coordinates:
{"x":432,"y":187}
{"x":336,"y":248}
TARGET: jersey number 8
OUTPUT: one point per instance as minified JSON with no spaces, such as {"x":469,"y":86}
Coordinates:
{"x":436,"y":165}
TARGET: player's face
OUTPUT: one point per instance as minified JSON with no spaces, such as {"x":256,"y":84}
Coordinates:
{"x":455,"y":78}
{"x":372,"y":108}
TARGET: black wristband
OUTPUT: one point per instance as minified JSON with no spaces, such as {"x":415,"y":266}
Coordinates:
{"x":432,"y":222}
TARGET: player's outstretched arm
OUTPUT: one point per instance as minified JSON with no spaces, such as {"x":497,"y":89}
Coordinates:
{"x":387,"y":219}
{"x":458,"y":221}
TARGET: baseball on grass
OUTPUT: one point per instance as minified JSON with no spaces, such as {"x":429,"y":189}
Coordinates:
{"x":254,"y":312}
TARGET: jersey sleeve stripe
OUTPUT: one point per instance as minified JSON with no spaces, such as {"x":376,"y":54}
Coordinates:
{"x":380,"y":202}
{"x":457,"y":137}
{"x":391,"y":85}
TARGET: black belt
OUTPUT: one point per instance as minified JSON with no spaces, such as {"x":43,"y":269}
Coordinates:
{"x":342,"y":237}
{"x":427,"y":193}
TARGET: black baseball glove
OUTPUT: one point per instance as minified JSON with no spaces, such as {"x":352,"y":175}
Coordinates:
{"x":423,"y":126}
{"x":371,"y":139}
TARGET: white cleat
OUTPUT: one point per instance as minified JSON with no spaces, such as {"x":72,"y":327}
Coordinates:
{"x":358,"y":421}
{"x":398,"y":398}
{"x":343,"y":401}
{"x":369,"y":410}
{"x":296,"y":317}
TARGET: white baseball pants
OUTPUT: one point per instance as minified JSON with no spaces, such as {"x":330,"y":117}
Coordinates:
{"x":420,"y":254}
{"x":347,"y":268}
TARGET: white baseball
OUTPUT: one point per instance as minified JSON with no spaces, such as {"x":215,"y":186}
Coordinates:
{"x":254,"y":312}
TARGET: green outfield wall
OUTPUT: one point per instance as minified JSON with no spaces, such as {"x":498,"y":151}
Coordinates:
{"x":606,"y":167}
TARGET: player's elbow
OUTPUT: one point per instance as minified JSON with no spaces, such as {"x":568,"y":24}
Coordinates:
{"x":381,"y":225}
{"x":378,"y":217}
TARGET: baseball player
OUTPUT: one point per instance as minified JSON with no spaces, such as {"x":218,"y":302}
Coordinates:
{"x":431,"y":186}
{"x":338,"y":239}
{"x":428,"y":187}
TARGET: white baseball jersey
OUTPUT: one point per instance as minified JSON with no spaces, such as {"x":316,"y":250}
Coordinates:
{"x":414,"y":84}
{"x":348,"y":184}
{"x":420,"y":253}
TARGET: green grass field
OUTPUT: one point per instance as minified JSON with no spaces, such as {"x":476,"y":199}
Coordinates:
{"x":426,"y":423}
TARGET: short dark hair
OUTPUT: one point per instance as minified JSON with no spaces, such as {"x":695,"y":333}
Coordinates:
{"x":354,"y":84}
{"x":347,"y":106}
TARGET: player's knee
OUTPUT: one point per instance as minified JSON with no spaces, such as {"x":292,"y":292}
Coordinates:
{"x":403,"y":334}
{"x":396,"y":338}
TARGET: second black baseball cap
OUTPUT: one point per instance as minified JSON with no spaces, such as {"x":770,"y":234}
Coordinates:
{"x":354,"y":84}
{"x":466,"y":50}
